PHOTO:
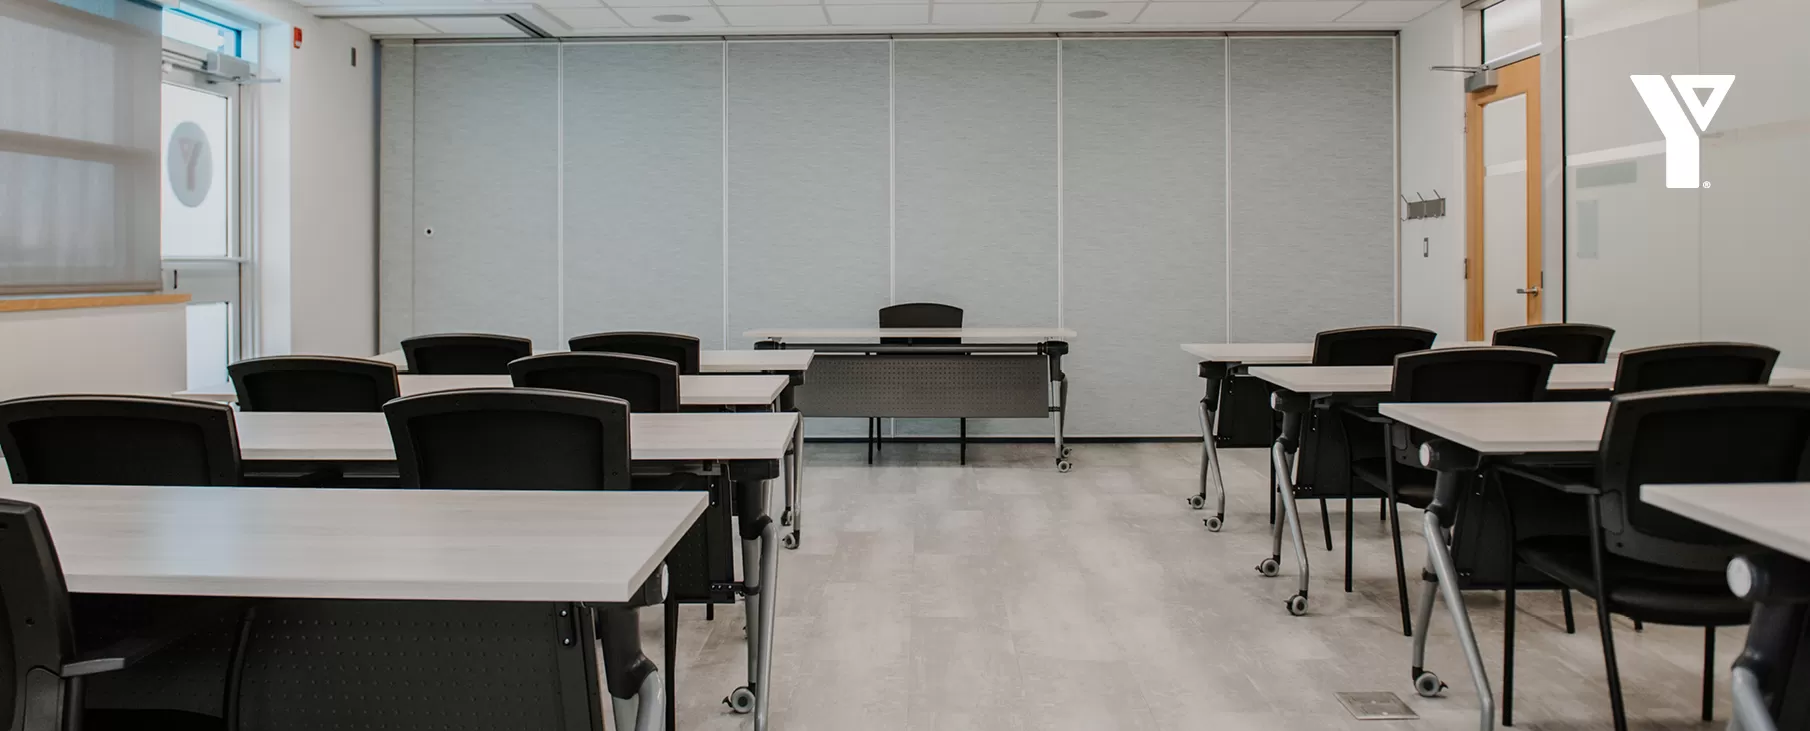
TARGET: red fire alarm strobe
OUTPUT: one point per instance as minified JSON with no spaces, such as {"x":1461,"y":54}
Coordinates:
{"x":298,"y":37}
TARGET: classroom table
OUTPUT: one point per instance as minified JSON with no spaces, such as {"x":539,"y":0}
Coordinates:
{"x":856,"y":375}
{"x":709,"y":361}
{"x":745,"y":391}
{"x":422,"y":595}
{"x":701,"y":443}
{"x":1776,"y":661}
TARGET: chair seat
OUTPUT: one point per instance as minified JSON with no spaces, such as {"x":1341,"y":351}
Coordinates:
{"x":1413,"y":486}
{"x":121,"y":719}
{"x":1639,"y":590}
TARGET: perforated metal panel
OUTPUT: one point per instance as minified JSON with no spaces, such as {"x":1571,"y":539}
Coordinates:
{"x":927,"y":386}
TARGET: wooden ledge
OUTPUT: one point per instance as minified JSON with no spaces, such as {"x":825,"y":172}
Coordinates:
{"x":38,"y":304}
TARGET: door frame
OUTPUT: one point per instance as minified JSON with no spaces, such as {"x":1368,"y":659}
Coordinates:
{"x":1521,"y":78}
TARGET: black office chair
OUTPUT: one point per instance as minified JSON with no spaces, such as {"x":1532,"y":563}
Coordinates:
{"x":918,"y":315}
{"x":1571,"y":342}
{"x":119,"y":440}
{"x":1447,"y":375}
{"x":1649,"y":564}
{"x":1684,"y":365}
{"x":313,"y":383}
{"x":40,"y":661}
{"x":1369,"y":346}
{"x":678,"y":348}
{"x":464,"y":354}
{"x":647,"y":384}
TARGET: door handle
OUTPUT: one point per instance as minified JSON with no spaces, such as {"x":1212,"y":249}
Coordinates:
{"x":1530,"y":290}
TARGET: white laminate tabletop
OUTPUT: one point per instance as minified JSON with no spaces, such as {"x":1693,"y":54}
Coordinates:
{"x":693,"y":390}
{"x":709,"y":361}
{"x":1379,"y":379}
{"x":1252,"y":353}
{"x":1522,"y":428}
{"x":875,"y":333}
{"x":343,"y":437}
{"x":1776,"y":516}
{"x":361,"y":544}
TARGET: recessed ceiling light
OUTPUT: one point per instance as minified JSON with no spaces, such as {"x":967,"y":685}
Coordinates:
{"x":673,"y":18}
{"x":1087,"y":14}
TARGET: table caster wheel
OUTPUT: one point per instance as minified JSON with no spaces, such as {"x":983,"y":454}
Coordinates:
{"x":1297,"y":604}
{"x":740,"y":700}
{"x":1214,"y":523}
{"x":1428,"y":685}
{"x":785,"y":518}
{"x":789,"y":540}
{"x":1066,"y":451}
{"x":1063,"y":465}
{"x":1197,"y":502}
{"x":1269,"y":567}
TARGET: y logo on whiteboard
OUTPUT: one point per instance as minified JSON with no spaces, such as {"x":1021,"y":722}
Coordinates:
{"x":1683,"y":140}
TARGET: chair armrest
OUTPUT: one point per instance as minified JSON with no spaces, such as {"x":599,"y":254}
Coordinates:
{"x":1548,"y":479}
{"x":167,"y":623}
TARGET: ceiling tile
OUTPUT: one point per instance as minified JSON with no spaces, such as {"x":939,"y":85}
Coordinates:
{"x":1390,"y":11}
{"x":876,"y":2}
{"x":695,"y":17}
{"x":569,"y":3}
{"x":776,"y":16}
{"x":582,"y":19}
{"x":1297,"y":11}
{"x":653,"y":3}
{"x":982,"y":15}
{"x":1186,"y":13}
{"x":335,"y":3}
{"x":736,"y":3}
{"x":879,"y":14}
{"x":391,"y":26}
{"x":1092,"y":13}
{"x":473,"y":25}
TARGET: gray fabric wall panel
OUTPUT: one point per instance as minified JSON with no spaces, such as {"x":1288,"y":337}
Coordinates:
{"x":485,"y":176}
{"x":809,"y":205}
{"x":644,"y":189}
{"x":1312,"y":185}
{"x":396,"y":197}
{"x":1144,"y":238}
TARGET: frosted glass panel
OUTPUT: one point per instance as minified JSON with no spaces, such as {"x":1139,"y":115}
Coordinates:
{"x":1510,"y":27}
{"x":1504,"y":213}
{"x":197,"y":179}
{"x":209,"y":343}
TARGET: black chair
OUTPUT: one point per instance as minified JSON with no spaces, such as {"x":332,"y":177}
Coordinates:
{"x":119,"y":440}
{"x":1369,"y":346}
{"x":1694,"y":364}
{"x":918,"y":315}
{"x":1447,"y":375}
{"x":464,"y":354}
{"x":42,"y":667}
{"x":1649,"y":564}
{"x":313,"y":383}
{"x":680,"y":349}
{"x":647,"y":384}
{"x":1571,"y":342}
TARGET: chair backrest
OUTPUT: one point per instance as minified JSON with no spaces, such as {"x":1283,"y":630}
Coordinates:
{"x":1571,"y":342}
{"x":680,"y":349}
{"x":1694,"y":364}
{"x":119,"y":440}
{"x":647,"y":384}
{"x":313,"y":383}
{"x":511,"y":439}
{"x":921,"y":314}
{"x":36,"y":640}
{"x":1369,"y":346}
{"x":1460,"y":375}
{"x":464,"y":354}
{"x":1706,"y":435}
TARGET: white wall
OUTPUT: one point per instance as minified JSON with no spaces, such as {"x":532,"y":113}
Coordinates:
{"x":1432,"y":158}
{"x":138,"y":350}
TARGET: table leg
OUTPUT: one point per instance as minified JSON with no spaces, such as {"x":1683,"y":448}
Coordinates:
{"x":1061,"y":416}
{"x":792,"y":517}
{"x":760,"y":571}
{"x":1285,"y":493}
{"x":637,"y":690}
{"x":1209,"y":463}
{"x":1439,"y":558}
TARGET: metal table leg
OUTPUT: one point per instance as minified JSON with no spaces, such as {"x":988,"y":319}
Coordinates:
{"x":760,"y":572}
{"x":1293,"y":407}
{"x":792,"y":517}
{"x":1209,"y":461}
{"x":1445,"y":581}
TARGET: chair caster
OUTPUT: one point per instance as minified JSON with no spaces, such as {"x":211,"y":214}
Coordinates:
{"x":1197,"y":502}
{"x":1214,"y":523}
{"x":1063,"y":465}
{"x":1297,"y":605}
{"x":1428,"y":685}
{"x":785,"y":518}
{"x":789,"y":540}
{"x":1269,"y":567}
{"x":740,"y":700}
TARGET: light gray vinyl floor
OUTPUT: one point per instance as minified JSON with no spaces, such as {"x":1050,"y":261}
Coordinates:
{"x":1005,"y":596}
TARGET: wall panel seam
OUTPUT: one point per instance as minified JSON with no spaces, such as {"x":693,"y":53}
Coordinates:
{"x":559,"y":202}
{"x":724,"y":92}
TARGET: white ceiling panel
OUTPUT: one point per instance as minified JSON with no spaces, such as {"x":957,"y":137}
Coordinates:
{"x":1390,"y":11}
{"x":587,"y":19}
{"x":391,"y":26}
{"x":675,"y":20}
{"x":474,"y":25}
{"x":983,"y":15}
{"x":653,"y":3}
{"x":739,"y":3}
{"x":1094,"y":13}
{"x":776,"y":16}
{"x":550,"y":4}
{"x":1185,"y":13}
{"x":879,"y":15}
{"x":1297,"y":11}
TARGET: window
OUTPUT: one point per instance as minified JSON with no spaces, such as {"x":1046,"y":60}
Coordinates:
{"x":1511,"y":28}
{"x":211,"y":30}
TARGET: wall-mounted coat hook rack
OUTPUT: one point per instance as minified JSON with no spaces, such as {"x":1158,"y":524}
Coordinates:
{"x":1424,"y":207}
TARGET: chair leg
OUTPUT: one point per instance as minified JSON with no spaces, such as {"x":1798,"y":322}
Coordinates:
{"x":964,"y":441}
{"x":870,"y":441}
{"x":1325,"y":524}
{"x":1570,"y":621}
{"x":1349,"y":511}
{"x":1709,"y":673}
{"x":1604,"y":624}
{"x":670,"y":638}
{"x":1401,"y":570}
{"x":1639,"y":626}
{"x":1508,"y":647}
{"x":1382,"y":511}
